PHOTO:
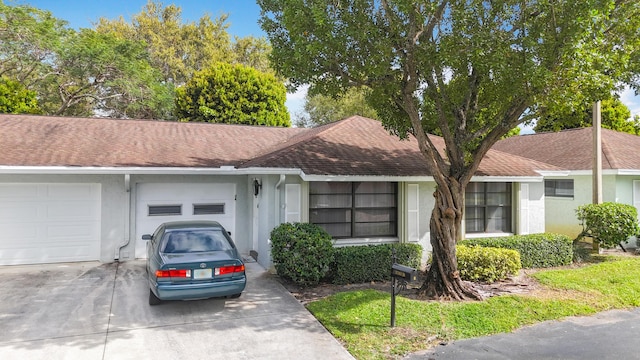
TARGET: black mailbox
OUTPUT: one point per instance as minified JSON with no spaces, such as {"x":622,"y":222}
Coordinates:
{"x":404,"y":272}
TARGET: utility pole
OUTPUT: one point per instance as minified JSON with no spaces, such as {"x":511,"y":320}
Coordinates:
{"x":597,"y":159}
{"x":597,"y":153}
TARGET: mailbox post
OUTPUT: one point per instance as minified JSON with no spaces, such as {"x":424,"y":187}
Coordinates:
{"x":400,"y":276}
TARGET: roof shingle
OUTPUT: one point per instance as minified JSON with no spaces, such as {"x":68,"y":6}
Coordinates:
{"x":354,"y":146}
{"x":572,"y":149}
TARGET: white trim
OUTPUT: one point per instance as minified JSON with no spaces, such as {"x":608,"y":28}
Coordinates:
{"x":627,"y":172}
{"x":546,"y":173}
{"x":364,"y":241}
{"x":230,"y":170}
{"x":355,"y":178}
{"x":486,"y":235}
{"x":507,"y":179}
{"x":223,"y":170}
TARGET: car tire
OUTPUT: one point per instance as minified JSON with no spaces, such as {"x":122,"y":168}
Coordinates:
{"x":153,"y":299}
{"x":234,"y":296}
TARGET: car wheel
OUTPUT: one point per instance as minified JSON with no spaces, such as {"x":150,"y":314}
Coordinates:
{"x":153,"y":299}
{"x":234,"y":296}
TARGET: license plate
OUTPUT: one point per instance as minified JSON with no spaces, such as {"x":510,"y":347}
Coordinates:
{"x":202,"y":273}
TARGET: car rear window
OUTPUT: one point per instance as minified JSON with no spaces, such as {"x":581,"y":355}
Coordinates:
{"x":190,"y":241}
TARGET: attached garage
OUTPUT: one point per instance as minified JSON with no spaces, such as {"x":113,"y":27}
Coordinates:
{"x":48,"y":222}
{"x":157,"y":203}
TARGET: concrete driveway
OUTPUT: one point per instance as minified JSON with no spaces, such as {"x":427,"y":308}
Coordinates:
{"x":100,"y":311}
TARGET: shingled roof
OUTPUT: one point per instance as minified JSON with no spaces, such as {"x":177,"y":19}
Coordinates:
{"x":63,"y":141}
{"x":354,"y":146}
{"x":361,"y":146}
{"x":572,"y":149}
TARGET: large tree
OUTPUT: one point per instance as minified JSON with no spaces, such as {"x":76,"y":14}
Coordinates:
{"x":176,"y":48}
{"x":16,"y":99}
{"x":615,"y":116}
{"x":473,"y":69}
{"x":233,"y":94}
{"x":323,"y":109}
{"x":79,"y":73}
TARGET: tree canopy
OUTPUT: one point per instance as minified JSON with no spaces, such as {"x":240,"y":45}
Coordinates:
{"x":614,"y":115}
{"x":323,"y":109}
{"x":472,"y":69}
{"x":16,"y":99}
{"x":233,"y":94}
{"x":118,"y":69}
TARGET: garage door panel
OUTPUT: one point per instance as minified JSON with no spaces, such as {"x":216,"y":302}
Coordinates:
{"x":71,"y":192}
{"x":71,"y":210}
{"x":50,"y":223}
{"x":71,"y":232}
{"x":18,"y":191}
{"x":15,"y":211}
{"x":187,"y":196}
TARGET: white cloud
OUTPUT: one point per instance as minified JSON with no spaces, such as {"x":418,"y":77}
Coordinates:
{"x":629,"y":98}
{"x":295,"y":101}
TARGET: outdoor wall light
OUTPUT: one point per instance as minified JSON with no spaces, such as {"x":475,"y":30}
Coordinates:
{"x":257,"y":185}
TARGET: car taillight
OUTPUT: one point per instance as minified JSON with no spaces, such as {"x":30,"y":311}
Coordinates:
{"x":178,"y":273}
{"x":229,"y":269}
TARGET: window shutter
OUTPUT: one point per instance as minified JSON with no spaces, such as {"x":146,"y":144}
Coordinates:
{"x":292,"y":203}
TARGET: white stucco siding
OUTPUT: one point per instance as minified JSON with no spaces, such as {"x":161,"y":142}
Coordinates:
{"x":560,"y":216}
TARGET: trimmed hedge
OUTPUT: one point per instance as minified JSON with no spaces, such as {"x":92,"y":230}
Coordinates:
{"x":301,"y":252}
{"x":360,"y":264}
{"x":536,"y":250}
{"x":488,"y":264}
{"x":608,"y":223}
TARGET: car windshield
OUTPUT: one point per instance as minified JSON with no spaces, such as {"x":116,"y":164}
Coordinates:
{"x":190,"y":241}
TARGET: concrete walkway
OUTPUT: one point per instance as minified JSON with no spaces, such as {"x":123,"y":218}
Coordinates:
{"x":100,"y":311}
{"x":607,"y":335}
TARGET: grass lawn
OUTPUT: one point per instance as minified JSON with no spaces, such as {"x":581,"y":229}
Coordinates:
{"x":360,"y":319}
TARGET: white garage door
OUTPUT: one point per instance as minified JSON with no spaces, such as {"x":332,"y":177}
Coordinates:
{"x":159,"y":202}
{"x":46,"y":223}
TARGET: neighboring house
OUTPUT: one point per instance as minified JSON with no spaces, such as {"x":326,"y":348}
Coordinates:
{"x":572,"y":150}
{"x":78,"y":189}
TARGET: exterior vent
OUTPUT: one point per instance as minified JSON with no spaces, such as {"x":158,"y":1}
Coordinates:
{"x":165,"y":210}
{"x":208,"y":209}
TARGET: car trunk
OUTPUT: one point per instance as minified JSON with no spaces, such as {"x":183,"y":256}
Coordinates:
{"x":202,"y":267}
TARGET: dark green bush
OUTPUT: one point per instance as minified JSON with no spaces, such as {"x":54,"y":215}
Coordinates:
{"x":536,"y":250}
{"x":487,"y":264}
{"x":608,"y":223}
{"x":359,"y":264}
{"x":301,"y":252}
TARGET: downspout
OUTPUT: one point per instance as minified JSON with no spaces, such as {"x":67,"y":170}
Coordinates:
{"x":127,"y":218}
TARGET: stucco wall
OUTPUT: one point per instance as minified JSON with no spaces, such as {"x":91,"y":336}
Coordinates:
{"x":560,"y":214}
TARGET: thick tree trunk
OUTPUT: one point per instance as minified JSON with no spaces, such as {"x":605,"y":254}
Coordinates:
{"x":443,"y":279}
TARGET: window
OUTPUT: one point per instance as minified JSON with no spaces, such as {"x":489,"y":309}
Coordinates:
{"x":488,"y":208}
{"x":165,"y":210}
{"x":208,"y":209}
{"x":559,"y":188}
{"x":354,"y":209}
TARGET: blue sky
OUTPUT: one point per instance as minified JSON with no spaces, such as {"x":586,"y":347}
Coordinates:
{"x":243,"y":21}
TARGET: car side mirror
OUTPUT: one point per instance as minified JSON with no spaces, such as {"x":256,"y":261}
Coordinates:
{"x":146,"y":237}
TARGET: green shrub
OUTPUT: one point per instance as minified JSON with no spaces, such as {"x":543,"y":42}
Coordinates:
{"x":536,"y":250}
{"x":359,"y":264}
{"x":301,"y":252}
{"x":487,"y":264}
{"x":608,"y":223}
